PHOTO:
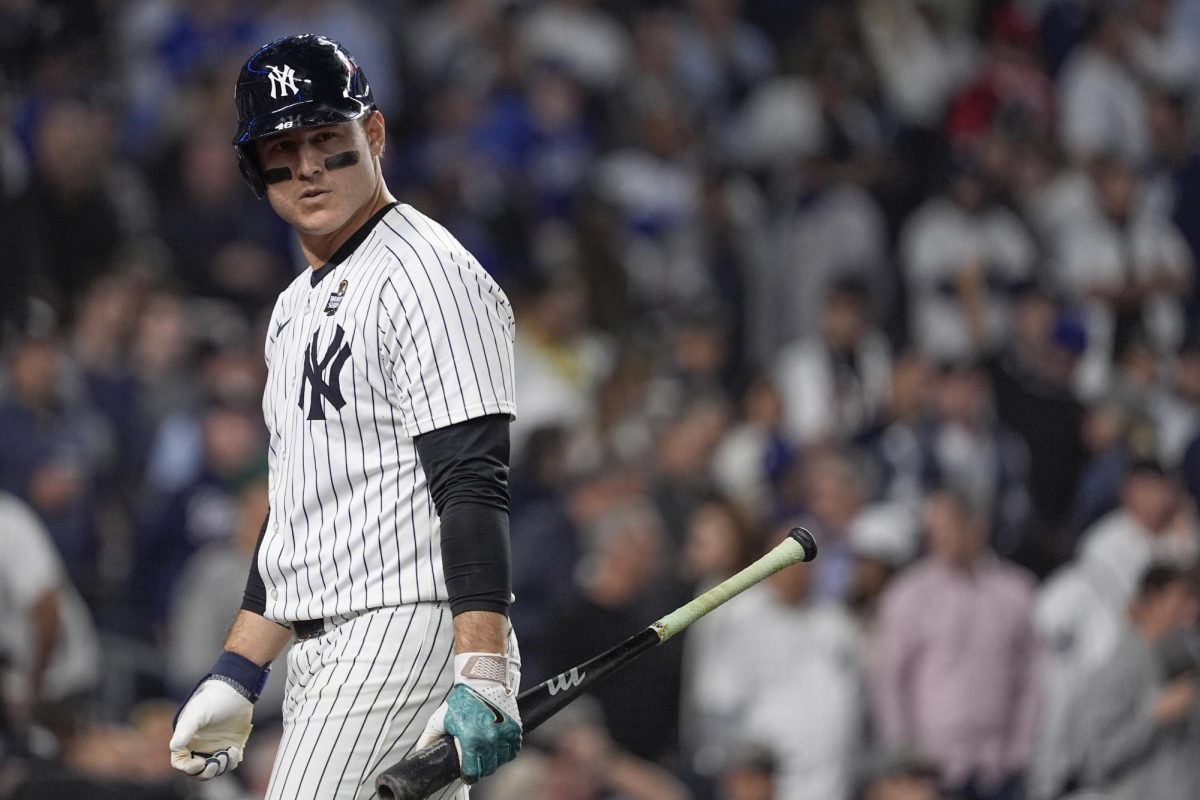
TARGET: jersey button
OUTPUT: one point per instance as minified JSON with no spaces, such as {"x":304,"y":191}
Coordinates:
{"x":274,"y":594}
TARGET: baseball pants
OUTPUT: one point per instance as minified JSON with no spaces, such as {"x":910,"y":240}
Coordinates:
{"x":357,"y":699}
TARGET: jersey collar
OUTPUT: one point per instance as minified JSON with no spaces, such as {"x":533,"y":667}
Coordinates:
{"x":351,"y":244}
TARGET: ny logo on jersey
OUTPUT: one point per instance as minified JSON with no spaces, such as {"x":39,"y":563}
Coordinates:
{"x":283,"y":79}
{"x":323,"y":388}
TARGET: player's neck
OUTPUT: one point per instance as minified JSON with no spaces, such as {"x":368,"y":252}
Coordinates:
{"x":319,"y":249}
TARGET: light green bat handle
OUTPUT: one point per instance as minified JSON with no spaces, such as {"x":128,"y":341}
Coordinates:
{"x":798,"y":547}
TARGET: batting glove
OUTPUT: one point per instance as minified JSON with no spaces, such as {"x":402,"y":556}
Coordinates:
{"x":480,"y":713}
{"x":212,"y":725}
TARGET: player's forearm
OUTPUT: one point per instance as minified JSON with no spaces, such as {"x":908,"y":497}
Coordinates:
{"x":256,"y":638}
{"x":480,"y":632}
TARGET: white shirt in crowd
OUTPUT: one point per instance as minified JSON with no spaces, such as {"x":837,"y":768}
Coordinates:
{"x":938,"y":244}
{"x":1097,"y":253}
{"x":815,"y":406}
{"x":1102,"y":108}
{"x":783,"y":675}
{"x":31,"y":569}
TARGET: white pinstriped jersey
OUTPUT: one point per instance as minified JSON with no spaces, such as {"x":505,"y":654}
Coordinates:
{"x":405,"y":335}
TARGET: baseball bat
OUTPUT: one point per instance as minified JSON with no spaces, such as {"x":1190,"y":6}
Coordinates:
{"x":436,"y":766}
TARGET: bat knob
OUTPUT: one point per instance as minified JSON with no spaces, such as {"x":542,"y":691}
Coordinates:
{"x":806,"y":541}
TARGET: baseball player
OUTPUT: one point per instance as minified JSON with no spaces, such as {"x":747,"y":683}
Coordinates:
{"x":388,"y":399}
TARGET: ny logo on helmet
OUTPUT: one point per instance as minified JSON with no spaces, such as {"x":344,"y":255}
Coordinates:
{"x":283,"y":79}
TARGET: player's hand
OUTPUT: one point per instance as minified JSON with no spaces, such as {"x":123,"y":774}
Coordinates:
{"x":211,"y":731}
{"x":480,"y":713}
{"x":213,"y":724}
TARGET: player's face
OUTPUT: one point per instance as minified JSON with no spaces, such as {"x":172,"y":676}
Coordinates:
{"x":318,"y":200}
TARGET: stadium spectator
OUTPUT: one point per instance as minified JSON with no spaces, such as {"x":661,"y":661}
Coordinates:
{"x":782,"y":649}
{"x":963,"y":247}
{"x":754,"y":451}
{"x":559,"y":360}
{"x":884,"y":539}
{"x":1173,"y":186}
{"x":49,"y":652}
{"x":80,"y":212}
{"x":1174,"y":405}
{"x":953,"y":675}
{"x":719,"y":57}
{"x":835,"y":493}
{"x":1151,"y":525}
{"x":200,"y":512}
{"x":1160,"y":54}
{"x":969,"y":450}
{"x":1078,"y":628}
{"x":159,"y":356}
{"x":1102,"y":108}
{"x":654,"y":187}
{"x":63,"y":449}
{"x":545,"y":542}
{"x":1032,"y":380}
{"x":923,"y":54}
{"x":107,"y":314}
{"x":579,"y":33}
{"x":721,"y":540}
{"x":834,"y":384}
{"x":623,"y":565}
{"x":1106,"y":435}
{"x":1011,"y":94}
{"x":831,"y":232}
{"x":1128,"y":266}
{"x":1141,"y":725}
{"x":893,"y":441}
{"x":683,"y":452}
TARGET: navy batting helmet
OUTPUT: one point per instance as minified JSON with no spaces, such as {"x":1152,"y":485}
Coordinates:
{"x":299,"y":81}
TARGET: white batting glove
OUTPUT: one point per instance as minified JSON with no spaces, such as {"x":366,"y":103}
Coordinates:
{"x":213,"y":725}
{"x":480,"y":713}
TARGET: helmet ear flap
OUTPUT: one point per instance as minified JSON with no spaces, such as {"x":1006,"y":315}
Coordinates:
{"x":248,"y":165}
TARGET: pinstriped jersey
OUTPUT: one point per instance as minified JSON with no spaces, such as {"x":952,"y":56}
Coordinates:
{"x":402,"y":332}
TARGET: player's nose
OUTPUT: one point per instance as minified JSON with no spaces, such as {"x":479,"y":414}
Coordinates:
{"x":312,"y":161}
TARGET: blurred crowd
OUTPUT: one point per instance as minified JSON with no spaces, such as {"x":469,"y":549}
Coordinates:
{"x":917,"y":275}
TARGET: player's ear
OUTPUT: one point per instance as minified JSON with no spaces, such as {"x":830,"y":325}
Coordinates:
{"x":376,"y":129}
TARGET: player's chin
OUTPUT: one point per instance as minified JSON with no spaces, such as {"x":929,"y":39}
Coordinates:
{"x":317,"y":216}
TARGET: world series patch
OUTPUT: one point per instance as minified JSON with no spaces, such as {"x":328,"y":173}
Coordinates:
{"x":335,"y":299}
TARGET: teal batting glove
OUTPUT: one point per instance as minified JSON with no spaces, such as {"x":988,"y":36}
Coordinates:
{"x":480,"y":713}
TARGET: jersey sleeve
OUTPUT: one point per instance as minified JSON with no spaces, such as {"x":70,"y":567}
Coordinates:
{"x":446,"y":340}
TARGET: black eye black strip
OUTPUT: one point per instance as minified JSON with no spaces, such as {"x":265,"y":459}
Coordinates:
{"x":276,"y":175}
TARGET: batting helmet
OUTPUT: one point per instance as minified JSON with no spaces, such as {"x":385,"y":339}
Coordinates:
{"x":299,"y":81}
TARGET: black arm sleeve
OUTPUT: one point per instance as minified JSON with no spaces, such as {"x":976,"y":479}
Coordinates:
{"x":466,"y":465}
{"x":254,"y":598}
